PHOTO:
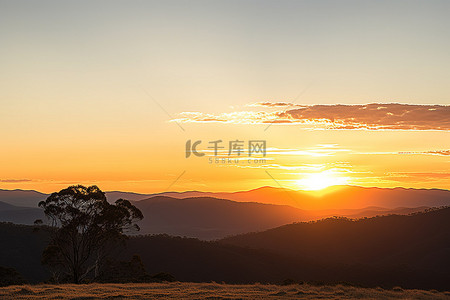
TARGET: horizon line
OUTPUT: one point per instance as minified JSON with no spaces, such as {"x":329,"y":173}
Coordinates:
{"x":252,"y":189}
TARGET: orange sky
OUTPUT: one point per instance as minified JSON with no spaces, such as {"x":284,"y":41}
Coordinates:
{"x":296,"y":158}
{"x":90,"y":94}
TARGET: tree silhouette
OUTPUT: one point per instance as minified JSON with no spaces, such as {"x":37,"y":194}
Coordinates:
{"x":85,"y":229}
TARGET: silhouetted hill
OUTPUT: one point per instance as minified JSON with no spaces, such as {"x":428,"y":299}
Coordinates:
{"x":200,"y":261}
{"x":407,"y":251}
{"x":21,"y":249}
{"x":419,"y":241}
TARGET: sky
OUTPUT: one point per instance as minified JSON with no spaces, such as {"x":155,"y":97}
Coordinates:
{"x":109,"y":92}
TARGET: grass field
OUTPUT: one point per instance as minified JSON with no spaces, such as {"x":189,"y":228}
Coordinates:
{"x":179,"y":290}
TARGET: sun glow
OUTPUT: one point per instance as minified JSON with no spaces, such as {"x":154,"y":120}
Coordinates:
{"x":319,"y":181}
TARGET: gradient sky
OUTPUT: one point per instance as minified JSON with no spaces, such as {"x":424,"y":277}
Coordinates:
{"x":88,"y":90}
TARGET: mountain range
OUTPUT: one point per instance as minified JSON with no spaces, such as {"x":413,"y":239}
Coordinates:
{"x":212,"y":216}
{"x":335,"y":197}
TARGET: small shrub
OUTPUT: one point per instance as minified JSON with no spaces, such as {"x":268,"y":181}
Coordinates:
{"x":288,"y":281}
{"x":164,"y":277}
{"x":9,"y":276}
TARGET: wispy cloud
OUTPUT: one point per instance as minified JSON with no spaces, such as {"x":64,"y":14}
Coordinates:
{"x":305,"y":167}
{"x":318,"y":151}
{"x":274,"y":104}
{"x":241,"y":117}
{"x":14,"y":180}
{"x":375,"y":116}
{"x":417,"y":176}
{"x":434,"y":152}
{"x":438,"y":152}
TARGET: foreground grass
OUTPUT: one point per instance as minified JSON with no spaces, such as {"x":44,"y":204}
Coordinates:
{"x":181,"y":290}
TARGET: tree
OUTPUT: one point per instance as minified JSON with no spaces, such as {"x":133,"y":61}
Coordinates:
{"x":85,"y":229}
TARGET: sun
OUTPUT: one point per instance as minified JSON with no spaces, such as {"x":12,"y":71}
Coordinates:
{"x":321,"y":180}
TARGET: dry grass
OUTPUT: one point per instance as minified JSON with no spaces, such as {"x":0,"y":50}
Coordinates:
{"x":180,"y":290}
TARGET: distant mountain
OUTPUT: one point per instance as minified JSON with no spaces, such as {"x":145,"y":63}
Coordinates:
{"x":366,"y":212}
{"x":193,"y":214}
{"x":336,"y":197}
{"x":26,"y":198}
{"x":19,"y":214}
{"x":115,"y":195}
{"x":206,"y":217}
{"x":30,"y":198}
{"x":6,"y":206}
{"x":212,"y":218}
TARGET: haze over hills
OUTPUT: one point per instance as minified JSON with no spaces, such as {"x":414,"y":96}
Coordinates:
{"x":6,"y":206}
{"x":208,"y":217}
{"x":114,"y":195}
{"x":19,"y":214}
{"x":212,"y":218}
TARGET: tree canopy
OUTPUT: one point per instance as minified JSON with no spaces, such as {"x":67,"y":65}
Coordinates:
{"x":86,"y":226}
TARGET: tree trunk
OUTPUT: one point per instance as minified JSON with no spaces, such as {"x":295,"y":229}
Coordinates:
{"x":76,"y":276}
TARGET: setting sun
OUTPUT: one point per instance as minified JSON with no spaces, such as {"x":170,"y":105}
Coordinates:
{"x":318,"y":181}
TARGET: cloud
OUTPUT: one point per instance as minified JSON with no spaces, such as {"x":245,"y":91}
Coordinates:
{"x":440,"y":152}
{"x":374,"y":116}
{"x":274,"y":104}
{"x":242,"y":117}
{"x":434,"y":152}
{"x":417,"y":176}
{"x":14,"y":180}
